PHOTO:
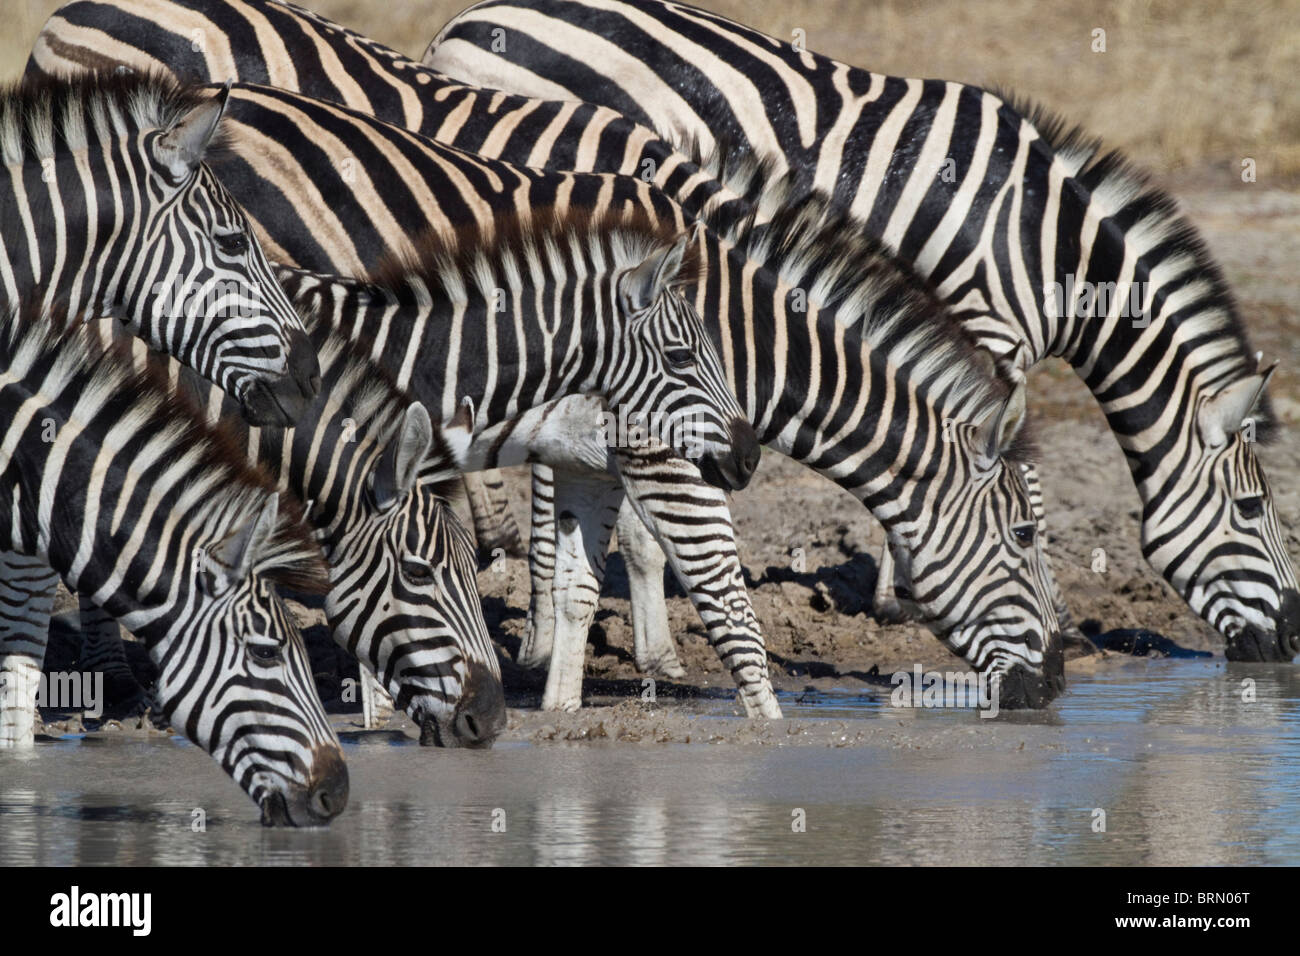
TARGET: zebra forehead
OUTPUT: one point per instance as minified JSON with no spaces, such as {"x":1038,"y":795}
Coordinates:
{"x":40,"y":113}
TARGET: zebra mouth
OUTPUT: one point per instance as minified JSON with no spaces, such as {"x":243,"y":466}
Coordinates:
{"x":281,"y":401}
{"x":479,"y":718}
{"x":275,"y":811}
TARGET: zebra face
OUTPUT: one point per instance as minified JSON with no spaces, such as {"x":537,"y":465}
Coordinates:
{"x":1214,"y":534}
{"x":975,"y":571}
{"x":671,"y":385}
{"x":236,"y":680}
{"x":404,"y":591}
{"x":205,"y":292}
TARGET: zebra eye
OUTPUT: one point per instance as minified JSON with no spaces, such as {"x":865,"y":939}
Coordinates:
{"x":265,"y":653}
{"x":1250,"y":508}
{"x":1025,"y":534}
{"x":232,"y":243}
{"x":417,"y":572}
{"x":680,"y":359}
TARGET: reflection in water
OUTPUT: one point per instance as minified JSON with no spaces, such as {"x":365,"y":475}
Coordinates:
{"x":1187,"y":767}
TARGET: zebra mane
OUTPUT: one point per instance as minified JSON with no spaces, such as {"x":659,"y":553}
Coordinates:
{"x":372,"y":398}
{"x":41,"y":115}
{"x":221,"y":491}
{"x":473,"y":261}
{"x":1115,"y":183}
{"x":810,"y":243}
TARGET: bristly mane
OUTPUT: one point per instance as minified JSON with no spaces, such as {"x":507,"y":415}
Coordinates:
{"x":810,"y":243}
{"x":221,"y":489}
{"x":373,"y":399}
{"x":1112,"y":181}
{"x":478,"y":261}
{"x":42,"y":115}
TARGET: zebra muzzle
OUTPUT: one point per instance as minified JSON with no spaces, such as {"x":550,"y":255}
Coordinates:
{"x":281,"y":401}
{"x":478,"y":720}
{"x":1023,"y":688}
{"x":732,"y":471}
{"x":315,"y":804}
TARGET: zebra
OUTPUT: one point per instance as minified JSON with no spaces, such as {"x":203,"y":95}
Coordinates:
{"x":108,"y":208}
{"x":309,"y":171}
{"x":624,"y":273}
{"x":1174,"y":374}
{"x":284,"y":46}
{"x":113,"y":480}
{"x":403,"y":595}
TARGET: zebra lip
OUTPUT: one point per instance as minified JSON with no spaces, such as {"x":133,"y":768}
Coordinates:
{"x":275,"y":811}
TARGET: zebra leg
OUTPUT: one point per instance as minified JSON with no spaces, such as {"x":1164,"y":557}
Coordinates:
{"x":700,"y":544}
{"x":27,"y":587}
{"x":102,"y":651}
{"x":586,"y":506}
{"x":376,"y":704}
{"x":494,"y":524}
{"x":655,"y":651}
{"x":884,"y":603}
{"x":539,"y":631}
{"x":1071,"y":635}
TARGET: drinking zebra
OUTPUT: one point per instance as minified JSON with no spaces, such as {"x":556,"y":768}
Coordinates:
{"x":114,"y":480}
{"x":1039,"y":240}
{"x":109,"y":209}
{"x":280,"y":45}
{"x":403,"y":594}
{"x":370,"y":203}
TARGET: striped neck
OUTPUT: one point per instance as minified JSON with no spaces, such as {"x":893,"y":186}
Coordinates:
{"x":145,"y":491}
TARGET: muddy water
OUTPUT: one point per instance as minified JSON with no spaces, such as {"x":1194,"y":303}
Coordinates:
{"x":1185,"y":770}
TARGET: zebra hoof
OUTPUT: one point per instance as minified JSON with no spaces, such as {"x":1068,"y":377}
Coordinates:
{"x":664,"y":667}
{"x":890,"y":612}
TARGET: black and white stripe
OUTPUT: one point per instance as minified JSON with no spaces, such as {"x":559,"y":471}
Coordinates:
{"x":733,"y":287}
{"x":1005,"y":212}
{"x":403,"y":594}
{"x":107,"y":208}
{"x":115,"y":482}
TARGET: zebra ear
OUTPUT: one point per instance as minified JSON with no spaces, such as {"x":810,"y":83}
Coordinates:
{"x":459,"y":433}
{"x":180,"y":150}
{"x":400,"y":463}
{"x":234,"y":558}
{"x":1223,"y":413}
{"x":1000,"y":428}
{"x":642,"y":285}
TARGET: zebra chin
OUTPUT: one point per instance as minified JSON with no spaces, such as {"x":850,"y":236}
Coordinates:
{"x":731,"y":470}
{"x":314,"y":804}
{"x":281,"y":400}
{"x":478,"y":718}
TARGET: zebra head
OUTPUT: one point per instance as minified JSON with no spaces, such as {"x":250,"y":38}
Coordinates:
{"x":669,"y":376}
{"x":1213,"y":532}
{"x":404,"y":588}
{"x":973,"y":566}
{"x":204,"y":291}
{"x":235,"y":677}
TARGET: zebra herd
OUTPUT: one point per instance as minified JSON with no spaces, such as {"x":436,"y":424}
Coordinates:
{"x":572,"y":212}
